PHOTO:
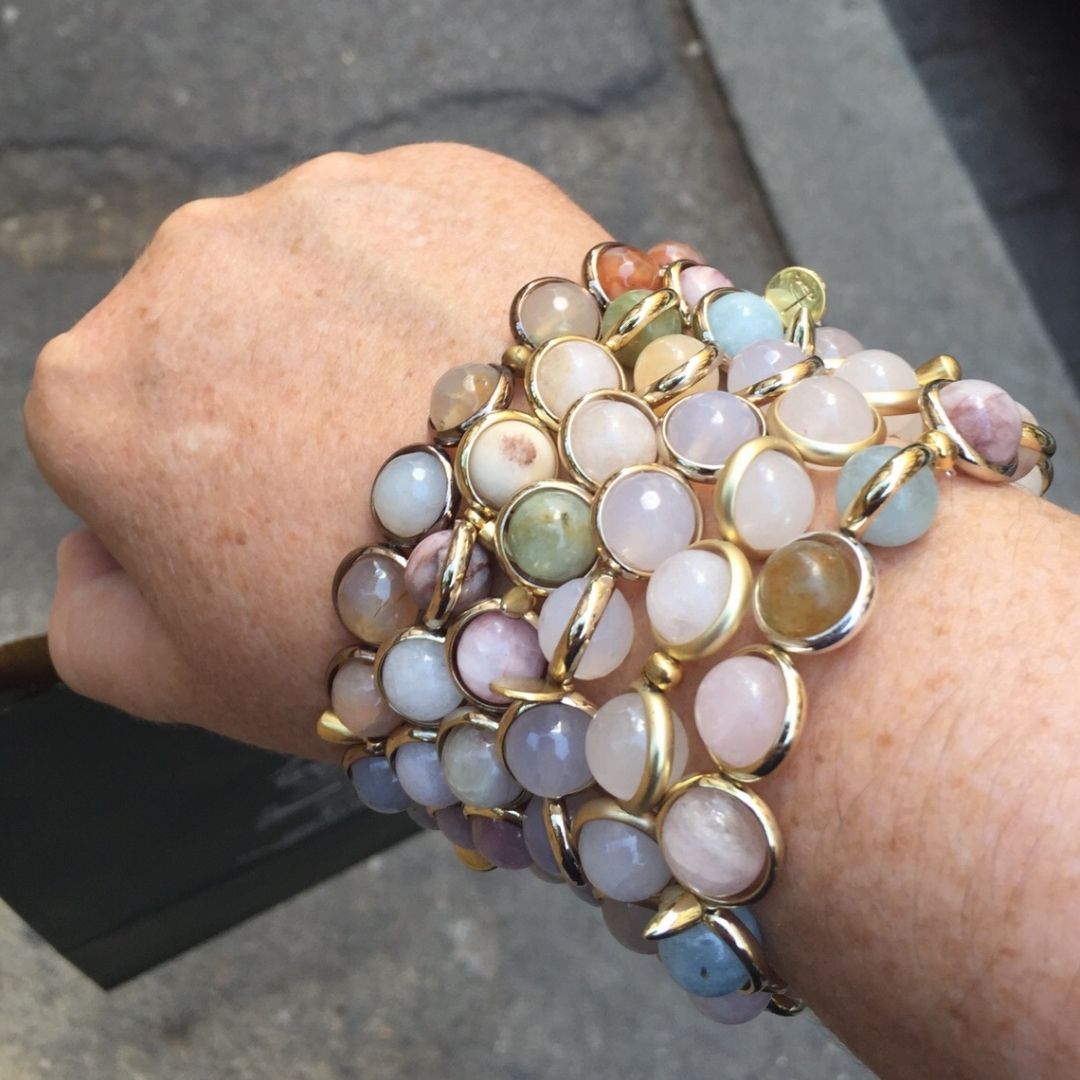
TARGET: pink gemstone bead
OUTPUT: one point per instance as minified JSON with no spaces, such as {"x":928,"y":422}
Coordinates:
{"x":669,"y":251}
{"x":831,"y":343}
{"x":357,"y":703}
{"x":707,"y":428}
{"x":426,"y":564}
{"x":876,"y":369}
{"x":986,"y":416}
{"x":696,"y":281}
{"x":828,"y":409}
{"x":713,"y":843}
{"x":760,"y":360}
{"x":493,"y":648}
{"x":739,"y":709}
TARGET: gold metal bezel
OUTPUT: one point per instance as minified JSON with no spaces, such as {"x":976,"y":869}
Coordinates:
{"x":700,"y":327}
{"x":464,"y":717}
{"x":665,"y":391}
{"x":451,"y":577}
{"x":604,"y":493}
{"x":698,"y":471}
{"x":582,"y":624}
{"x":814,"y":304}
{"x":501,"y":395}
{"x":818,"y":451}
{"x":408,"y":732}
{"x":342,"y":656}
{"x":645,"y":311}
{"x":566,"y":449}
{"x":671,"y":277}
{"x":531,"y":380}
{"x":590,"y":271}
{"x":380,"y":659}
{"x":656,"y":774}
{"x":772,"y":386}
{"x":757,"y":806}
{"x":447,"y":513}
{"x":329,"y":726}
{"x":516,"y":326}
{"x":969,"y":460}
{"x":347,"y":564}
{"x":510,"y":814}
{"x":364,"y":748}
{"x":851,"y":622}
{"x":1035,"y":437}
{"x":473,"y":860}
{"x":605,"y":808}
{"x":559,"y":834}
{"x":872,"y":498}
{"x":906,"y":402}
{"x":502,"y":523}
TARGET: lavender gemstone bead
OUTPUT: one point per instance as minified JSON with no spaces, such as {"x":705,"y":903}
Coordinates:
{"x":418,"y":769}
{"x":622,"y":862}
{"x":707,"y":428}
{"x":422,"y":816}
{"x":626,"y":923}
{"x":761,"y":360}
{"x":377,"y":787}
{"x":732,"y":1008}
{"x":536,"y":838}
{"x":454,"y":825}
{"x":545,"y":749}
{"x":500,"y":842}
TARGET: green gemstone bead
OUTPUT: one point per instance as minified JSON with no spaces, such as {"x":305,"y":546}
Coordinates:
{"x":668,"y":323}
{"x":549,"y":537}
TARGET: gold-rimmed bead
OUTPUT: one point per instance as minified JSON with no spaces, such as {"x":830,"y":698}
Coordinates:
{"x":560,"y":837}
{"x":665,"y":390}
{"x":575,"y":639}
{"x":356,"y":624}
{"x":436,"y":639}
{"x":548,"y":411}
{"x":330,"y":729}
{"x":473,"y":860}
{"x":698,"y":471}
{"x":575,"y":312}
{"x":818,"y":451}
{"x":772,"y":386}
{"x":501,"y":394}
{"x":444,"y":514}
{"x":671,"y":276}
{"x":363,"y":748}
{"x":644,"y":312}
{"x":699,"y":322}
{"x":874,"y":495}
{"x":590,"y":271}
{"x":968,"y":459}
{"x":605,"y":808}
{"x":570,"y":455}
{"x":452,"y":574}
{"x":658,"y":767}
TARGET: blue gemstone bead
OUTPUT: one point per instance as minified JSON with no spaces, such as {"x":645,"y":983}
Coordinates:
{"x":702,"y":963}
{"x":739,"y":319}
{"x":377,"y":786}
{"x":910,"y":511}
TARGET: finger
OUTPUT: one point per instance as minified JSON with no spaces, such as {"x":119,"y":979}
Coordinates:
{"x":105,"y":640}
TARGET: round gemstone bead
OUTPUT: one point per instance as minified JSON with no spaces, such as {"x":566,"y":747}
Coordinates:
{"x":611,"y":640}
{"x":831,"y":343}
{"x":626,"y":923}
{"x":461,"y":393}
{"x":827,"y":409}
{"x":426,"y":564}
{"x":702,"y":963}
{"x":534,"y":833}
{"x":664,"y":355}
{"x":454,"y":825}
{"x":621,"y":268}
{"x":377,"y":787}
{"x":876,"y":369}
{"x":732,"y":1008}
{"x":696,"y":281}
{"x":570,"y":368}
{"x":806,"y":587}
{"x":495,"y":648}
{"x":606,"y":436}
{"x":910,"y":510}
{"x":669,"y":251}
{"x":740,"y":318}
{"x":686,"y":595}
{"x":739,"y":709}
{"x":558,"y":309}
{"x":761,"y":360}
{"x":410,"y":493}
{"x":508,"y":456}
{"x":422,"y":816}
{"x":417,"y":767}
{"x":713,"y":843}
{"x":549,"y":536}
{"x":646,"y":516}
{"x":775,"y":501}
{"x":356,"y":702}
{"x":500,"y":842}
{"x":372,"y":599}
{"x":472,"y":768}
{"x":670,"y":322}
{"x":621,"y":861}
{"x":545,"y":749}
{"x":616,"y":745}
{"x":417,"y":682}
{"x":985,"y":416}
{"x":707,"y":428}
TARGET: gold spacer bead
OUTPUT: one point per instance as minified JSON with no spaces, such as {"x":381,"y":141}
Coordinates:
{"x":662,"y":671}
{"x":942,"y":447}
{"x":516,"y":357}
{"x":473,"y":860}
{"x":517,"y":602}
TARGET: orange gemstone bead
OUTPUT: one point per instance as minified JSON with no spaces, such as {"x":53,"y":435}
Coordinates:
{"x":621,"y":268}
{"x":669,"y":251}
{"x":806,"y":587}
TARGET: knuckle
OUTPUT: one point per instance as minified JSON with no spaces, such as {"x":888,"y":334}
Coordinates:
{"x":336,"y":167}
{"x":192,"y":217}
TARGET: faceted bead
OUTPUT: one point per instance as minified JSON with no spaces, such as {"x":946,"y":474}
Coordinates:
{"x":410,"y":493}
{"x":417,"y":767}
{"x":422,"y":816}
{"x":501,"y":843}
{"x":558,"y":309}
{"x":686,"y":595}
{"x":827,"y":409}
{"x":606,"y":436}
{"x":910,"y":510}
{"x":739,"y":709}
{"x":454,"y":825}
{"x":669,"y":251}
{"x":372,"y":599}
{"x":356,"y":702}
{"x":761,"y":360}
{"x":626,"y":923}
{"x":621,"y":268}
{"x":377,"y":787}
{"x":696,"y":281}
{"x":876,"y":369}
{"x":740,"y":318}
{"x":732,"y":1008}
{"x":611,"y":640}
{"x":664,"y":355}
{"x":534,"y":832}
{"x":571,"y":368}
{"x":713,"y":843}
{"x":621,"y":861}
{"x":774,"y":502}
{"x":707,"y":428}
{"x":616,"y":746}
{"x":425,"y":567}
{"x":417,"y":681}
{"x":702,"y":963}
{"x":670,"y":322}
{"x":472,"y":768}
{"x":461,"y":393}
{"x":508,"y":456}
{"x":549,"y":537}
{"x":831,"y":343}
{"x":647,"y":516}
{"x":985,"y":416}
{"x":495,"y":648}
{"x":545,"y":749}
{"x":806,"y":587}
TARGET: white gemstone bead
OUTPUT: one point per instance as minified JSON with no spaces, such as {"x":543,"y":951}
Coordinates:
{"x":606,"y":436}
{"x":417,"y":681}
{"x":473,"y":770}
{"x":410,"y":493}
{"x":506,"y":457}
{"x":623,"y":863}
{"x":611,"y":641}
{"x":556,"y":309}
{"x":686,"y":595}
{"x":775,"y":501}
{"x":707,"y":428}
{"x":571,"y":368}
{"x":876,"y":369}
{"x":827,"y":409}
{"x":760,"y":360}
{"x":356,"y":701}
{"x":615,"y":745}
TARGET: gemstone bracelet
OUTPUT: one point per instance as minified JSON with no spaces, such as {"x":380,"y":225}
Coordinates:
{"x":580,"y":461}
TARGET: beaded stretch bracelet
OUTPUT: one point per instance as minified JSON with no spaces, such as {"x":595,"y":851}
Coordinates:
{"x":496,"y":593}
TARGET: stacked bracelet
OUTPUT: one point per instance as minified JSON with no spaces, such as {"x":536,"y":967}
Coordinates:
{"x":577,"y":462}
